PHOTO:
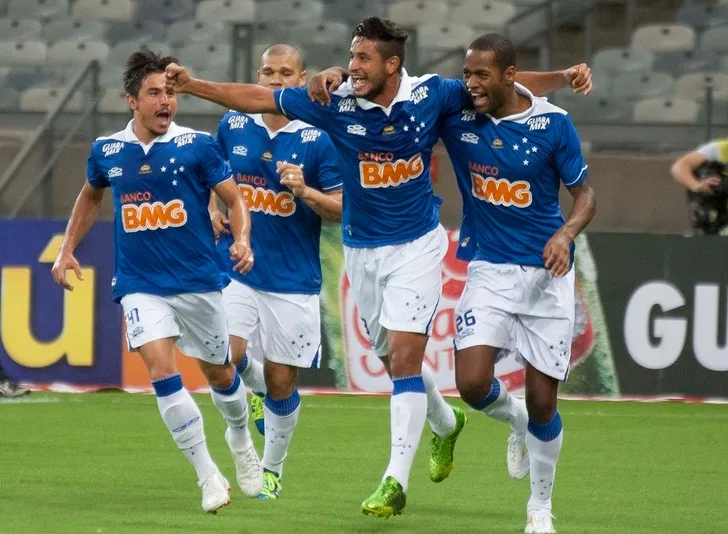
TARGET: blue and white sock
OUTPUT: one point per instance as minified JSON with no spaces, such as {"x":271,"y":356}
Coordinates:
{"x":281,"y":417}
{"x":234,"y":409}
{"x":252,"y":372}
{"x":408,"y":412}
{"x":184,"y":422}
{"x":504,"y":407}
{"x":544,"y":445}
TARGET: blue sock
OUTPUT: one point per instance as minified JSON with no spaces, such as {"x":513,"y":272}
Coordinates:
{"x":490,"y":398}
{"x":243,"y":365}
{"x":408,"y":384}
{"x":285,"y":406}
{"x":164,"y":387}
{"x":546,"y":431}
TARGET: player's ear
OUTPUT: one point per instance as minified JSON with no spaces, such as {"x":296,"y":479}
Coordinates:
{"x":304,"y":78}
{"x":509,"y":75}
{"x":132,"y":102}
{"x":257,"y":74}
{"x":391,"y":65}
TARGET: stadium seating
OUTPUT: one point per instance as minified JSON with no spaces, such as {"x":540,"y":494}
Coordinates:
{"x":69,"y":29}
{"x":106,"y":10}
{"x":19,"y":29}
{"x":666,"y":110}
{"x":412,"y":13}
{"x":38,"y":9}
{"x":686,"y":61}
{"x":483,"y":14}
{"x":26,"y":52}
{"x":196,"y":31}
{"x":76,"y":51}
{"x":226,"y":11}
{"x":616,"y":61}
{"x":639,"y":85}
{"x":663,"y":38}
{"x":140,"y":31}
{"x":693,"y":86}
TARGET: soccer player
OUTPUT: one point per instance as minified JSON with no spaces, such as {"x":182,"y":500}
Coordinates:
{"x":384,"y":125}
{"x":519,"y":296}
{"x":288,"y":173}
{"x":167,"y":274}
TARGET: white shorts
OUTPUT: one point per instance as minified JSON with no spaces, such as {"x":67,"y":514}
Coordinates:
{"x":522,"y":309}
{"x":196,"y":320}
{"x":288,"y":325}
{"x":397,"y":287}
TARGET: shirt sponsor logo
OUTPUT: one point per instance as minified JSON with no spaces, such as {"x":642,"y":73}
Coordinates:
{"x":501,"y":192}
{"x":153,"y":216}
{"x":356,"y":129}
{"x":268,"y":201}
{"x":109,"y":149}
{"x":377,"y":174}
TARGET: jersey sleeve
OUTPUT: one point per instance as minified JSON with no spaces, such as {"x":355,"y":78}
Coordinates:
{"x":293,"y":102}
{"x":327,"y":165}
{"x":709,"y":150}
{"x":220,"y":136}
{"x":214,"y":167}
{"x":569,"y":160}
{"x":452,"y":96}
{"x":93,"y":174}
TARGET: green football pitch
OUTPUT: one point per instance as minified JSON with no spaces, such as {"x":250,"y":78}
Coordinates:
{"x":104,"y":463}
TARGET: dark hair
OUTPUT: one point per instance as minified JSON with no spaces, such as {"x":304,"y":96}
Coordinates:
{"x":501,"y":46}
{"x":141,"y":64}
{"x":390,"y":37}
{"x":284,"y":49}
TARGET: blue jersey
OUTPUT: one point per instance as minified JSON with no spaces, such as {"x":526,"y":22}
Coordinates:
{"x":510,"y":171}
{"x":384,"y":154}
{"x":285,"y":232}
{"x":163,"y":238}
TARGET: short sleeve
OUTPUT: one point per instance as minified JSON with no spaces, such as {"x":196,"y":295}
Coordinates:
{"x":93,"y":174}
{"x":214,"y":167}
{"x":293,"y":102}
{"x":453,"y":96}
{"x":220,"y":136}
{"x":327,"y":168}
{"x":709,"y":150}
{"x":569,"y":160}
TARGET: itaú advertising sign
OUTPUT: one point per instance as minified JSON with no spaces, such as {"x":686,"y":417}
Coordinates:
{"x":366,"y":372}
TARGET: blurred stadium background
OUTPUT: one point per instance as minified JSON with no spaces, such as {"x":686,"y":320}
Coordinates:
{"x":652,"y":301}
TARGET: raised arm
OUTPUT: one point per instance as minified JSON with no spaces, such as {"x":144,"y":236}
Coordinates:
{"x":84,"y":215}
{"x":244,"y":97}
{"x":683,"y":171}
{"x":578,"y":77}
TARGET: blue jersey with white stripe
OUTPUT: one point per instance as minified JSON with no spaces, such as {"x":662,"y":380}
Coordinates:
{"x":285,"y":233}
{"x":510,"y":171}
{"x":384,"y":154}
{"x":163,"y":239}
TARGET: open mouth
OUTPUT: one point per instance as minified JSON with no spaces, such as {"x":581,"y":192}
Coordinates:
{"x":480,"y":100}
{"x":358,"y":83}
{"x":163,"y":116}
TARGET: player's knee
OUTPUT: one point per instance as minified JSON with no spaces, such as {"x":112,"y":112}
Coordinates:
{"x":219,"y":376}
{"x":541,"y":408}
{"x":280,"y":380}
{"x":472,"y":389}
{"x":238,"y":347}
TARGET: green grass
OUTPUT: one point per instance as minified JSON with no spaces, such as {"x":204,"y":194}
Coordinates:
{"x":104,"y":463}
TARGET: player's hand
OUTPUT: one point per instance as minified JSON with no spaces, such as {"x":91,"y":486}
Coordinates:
{"x":219,"y":223}
{"x":556,"y":254}
{"x":65,"y":262}
{"x":176,"y":77}
{"x":292,"y":177}
{"x":579,"y":78}
{"x":241,"y":253}
{"x":325,"y":82}
{"x":707,"y":186}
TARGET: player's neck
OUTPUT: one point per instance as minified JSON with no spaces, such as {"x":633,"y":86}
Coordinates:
{"x":389,"y":92}
{"x":274,"y":122}
{"x":513,"y":104}
{"x":143,"y":134}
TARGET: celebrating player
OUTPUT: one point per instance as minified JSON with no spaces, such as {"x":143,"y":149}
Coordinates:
{"x":287,"y":171}
{"x":167,"y":273}
{"x":519,"y":295}
{"x":384,"y":125}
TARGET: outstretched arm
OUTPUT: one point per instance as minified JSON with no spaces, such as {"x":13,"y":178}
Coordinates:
{"x":683,"y":172}
{"x":578,"y":77}
{"x":244,"y":97}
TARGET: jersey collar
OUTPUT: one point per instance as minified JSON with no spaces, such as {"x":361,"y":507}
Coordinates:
{"x":130,"y":136}
{"x":523,"y":114}
{"x":291,"y":127}
{"x":403,"y":94}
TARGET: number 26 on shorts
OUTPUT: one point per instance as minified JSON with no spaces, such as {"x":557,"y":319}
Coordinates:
{"x":463,"y":320}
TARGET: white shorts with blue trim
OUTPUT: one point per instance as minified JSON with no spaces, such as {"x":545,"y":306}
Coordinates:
{"x":397,"y":287}
{"x":525,"y":310}
{"x":285,"y":327}
{"x":197,"y":322}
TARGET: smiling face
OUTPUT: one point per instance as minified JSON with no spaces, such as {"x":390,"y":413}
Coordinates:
{"x":154,"y":107}
{"x":486,"y":81}
{"x":368,"y":69}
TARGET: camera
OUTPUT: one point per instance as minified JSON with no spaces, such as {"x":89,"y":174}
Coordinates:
{"x":709,"y":213}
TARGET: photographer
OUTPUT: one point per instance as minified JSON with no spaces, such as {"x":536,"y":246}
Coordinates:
{"x":703,"y":173}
